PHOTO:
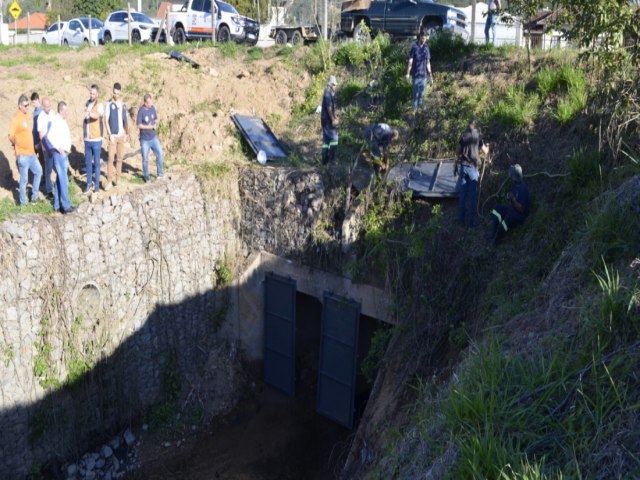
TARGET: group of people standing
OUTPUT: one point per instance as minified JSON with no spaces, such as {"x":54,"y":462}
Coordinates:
{"x":44,"y":140}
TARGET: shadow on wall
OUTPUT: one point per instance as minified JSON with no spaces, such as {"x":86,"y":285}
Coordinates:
{"x":177,"y":349}
{"x":6,"y":179}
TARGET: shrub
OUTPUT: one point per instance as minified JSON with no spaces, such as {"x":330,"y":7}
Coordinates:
{"x":586,"y":174}
{"x":517,"y":109}
{"x":446,"y":46}
{"x":351,"y":89}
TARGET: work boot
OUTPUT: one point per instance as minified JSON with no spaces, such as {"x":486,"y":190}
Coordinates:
{"x":325,"y":156}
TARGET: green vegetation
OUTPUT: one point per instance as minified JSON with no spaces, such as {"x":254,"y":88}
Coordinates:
{"x":163,"y":416}
{"x":224,"y":274}
{"x":371,"y":363}
{"x":517,"y":110}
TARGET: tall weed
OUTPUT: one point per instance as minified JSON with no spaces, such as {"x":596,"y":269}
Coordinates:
{"x":506,"y":407}
{"x":517,"y":109}
{"x":585,"y":181}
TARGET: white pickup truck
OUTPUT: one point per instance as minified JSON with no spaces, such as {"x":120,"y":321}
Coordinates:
{"x":193,"y":21}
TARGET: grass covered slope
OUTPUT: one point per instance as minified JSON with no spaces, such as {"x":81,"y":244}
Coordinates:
{"x":515,"y":362}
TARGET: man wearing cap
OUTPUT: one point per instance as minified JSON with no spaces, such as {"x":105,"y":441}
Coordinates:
{"x":379,"y":137}
{"x":419,"y":67}
{"x":329,"y":122}
{"x":21,"y":138}
{"x":466,"y":166}
{"x":508,"y":216}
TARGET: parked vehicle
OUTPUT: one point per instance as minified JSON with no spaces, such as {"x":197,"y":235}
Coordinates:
{"x":193,"y":21}
{"x":53,"y":35}
{"x":400,"y":18}
{"x":116,"y":27}
{"x":77,"y":32}
{"x":294,"y":34}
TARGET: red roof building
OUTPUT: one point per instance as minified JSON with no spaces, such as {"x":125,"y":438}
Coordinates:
{"x":37,"y":21}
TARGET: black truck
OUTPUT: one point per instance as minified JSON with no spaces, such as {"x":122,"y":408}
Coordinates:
{"x":400,"y":18}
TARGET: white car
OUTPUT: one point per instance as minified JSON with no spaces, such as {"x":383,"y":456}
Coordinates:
{"x":77,"y":32}
{"x":53,"y":36}
{"x":116,"y":27}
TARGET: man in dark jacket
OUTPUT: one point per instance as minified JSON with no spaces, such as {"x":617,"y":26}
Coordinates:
{"x":329,"y":122}
{"x":467,"y":162}
{"x":508,"y":216}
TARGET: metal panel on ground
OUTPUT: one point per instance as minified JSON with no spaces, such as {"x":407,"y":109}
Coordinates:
{"x":338,"y":356}
{"x":259,"y":136}
{"x":426,"y":179}
{"x":280,"y":332}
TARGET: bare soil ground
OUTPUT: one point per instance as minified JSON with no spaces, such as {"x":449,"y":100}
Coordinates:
{"x":194,"y":105}
{"x":268,"y":437}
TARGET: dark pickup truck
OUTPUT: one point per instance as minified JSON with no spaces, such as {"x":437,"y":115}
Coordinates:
{"x":400,"y":18}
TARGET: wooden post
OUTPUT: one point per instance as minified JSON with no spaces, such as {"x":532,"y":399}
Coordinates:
{"x":59,"y":32}
{"x":214,"y":14}
{"x":28,"y":28}
{"x":167,"y":28}
{"x":90,"y":36}
{"x":155,"y":40}
{"x":473,"y":20}
{"x":129,"y":22}
{"x":326,"y":20}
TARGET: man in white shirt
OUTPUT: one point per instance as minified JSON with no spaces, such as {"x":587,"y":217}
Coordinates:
{"x":44,"y":122}
{"x":59,"y":139}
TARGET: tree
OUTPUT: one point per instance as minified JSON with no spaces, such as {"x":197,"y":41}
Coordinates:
{"x":97,"y":8}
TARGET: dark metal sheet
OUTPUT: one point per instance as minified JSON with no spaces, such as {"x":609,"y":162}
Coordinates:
{"x":433,"y":179}
{"x":426,"y":179}
{"x":280,"y":332}
{"x":338,"y":359}
{"x":259,"y":136}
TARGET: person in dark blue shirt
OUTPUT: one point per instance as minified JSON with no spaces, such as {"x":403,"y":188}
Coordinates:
{"x":508,"y":216}
{"x":329,"y":122}
{"x":419,"y":67}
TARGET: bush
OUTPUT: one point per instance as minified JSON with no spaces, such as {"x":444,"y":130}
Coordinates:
{"x":586,"y":174}
{"x":351,"y":89}
{"x":447,"y":46}
{"x":517,"y":109}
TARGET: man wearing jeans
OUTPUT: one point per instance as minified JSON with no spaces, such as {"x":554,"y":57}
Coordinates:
{"x":147,"y":122}
{"x":59,"y":139}
{"x":92,"y":126}
{"x":467,"y":161}
{"x":419,"y":67}
{"x":117,"y":127}
{"x":492,"y":18}
{"x":44,"y":123}
{"x":21,"y":137}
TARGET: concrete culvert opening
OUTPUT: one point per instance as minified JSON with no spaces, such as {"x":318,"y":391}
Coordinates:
{"x":272,"y":435}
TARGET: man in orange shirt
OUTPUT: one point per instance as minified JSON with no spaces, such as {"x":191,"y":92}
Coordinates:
{"x":21,"y":137}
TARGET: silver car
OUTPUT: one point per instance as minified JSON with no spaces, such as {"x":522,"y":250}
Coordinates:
{"x":77,"y":32}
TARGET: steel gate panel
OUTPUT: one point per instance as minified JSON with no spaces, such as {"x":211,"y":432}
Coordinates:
{"x":338,"y":357}
{"x":280,"y":332}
